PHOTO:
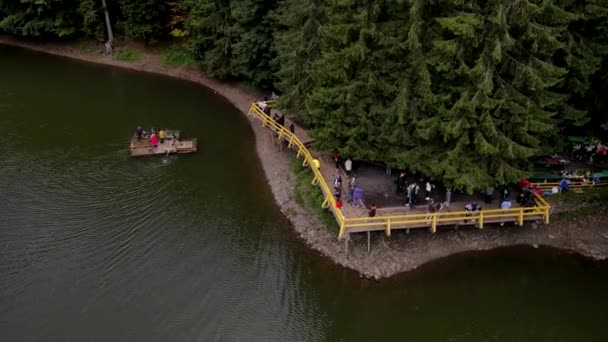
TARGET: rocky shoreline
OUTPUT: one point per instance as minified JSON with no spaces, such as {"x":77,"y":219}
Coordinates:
{"x":400,"y":253}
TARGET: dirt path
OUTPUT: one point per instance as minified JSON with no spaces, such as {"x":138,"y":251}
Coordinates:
{"x":400,"y":253}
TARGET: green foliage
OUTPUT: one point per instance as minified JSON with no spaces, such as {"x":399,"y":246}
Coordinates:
{"x":177,"y":56}
{"x":92,"y":22}
{"x":253,"y":47}
{"x":233,"y":38}
{"x":127,"y":55}
{"x":577,"y":213}
{"x":143,"y":19}
{"x":86,"y":46}
{"x":310,"y":196}
{"x":40,"y":18}
{"x":590,"y":195}
{"x":298,"y":45}
{"x":209,"y":24}
{"x":464,"y":92}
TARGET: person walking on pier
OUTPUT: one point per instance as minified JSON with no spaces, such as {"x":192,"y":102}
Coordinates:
{"x":401,"y":183}
{"x":448,"y":196}
{"x":372,"y":210}
{"x":348,"y":166}
{"x":357,"y":196}
{"x":414,"y":195}
{"x":338,"y":181}
{"x":489,"y":194}
{"x":338,"y":161}
{"x":351,"y":189}
{"x":408,"y":194}
{"x":429,"y":187}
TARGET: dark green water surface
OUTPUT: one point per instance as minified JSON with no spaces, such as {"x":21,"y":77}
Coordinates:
{"x":95,"y":246}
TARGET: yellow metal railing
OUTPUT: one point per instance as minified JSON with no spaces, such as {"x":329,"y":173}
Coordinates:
{"x":479,"y":218}
{"x":302,"y":151}
{"x":573,"y":185}
{"x":387,"y":223}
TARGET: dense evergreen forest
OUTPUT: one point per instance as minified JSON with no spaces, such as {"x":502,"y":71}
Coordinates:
{"x":465,"y":91}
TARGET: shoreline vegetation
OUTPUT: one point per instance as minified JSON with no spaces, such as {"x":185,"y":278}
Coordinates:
{"x":575,"y":230}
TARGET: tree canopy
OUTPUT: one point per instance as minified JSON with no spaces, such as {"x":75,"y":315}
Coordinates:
{"x":466,"y":92}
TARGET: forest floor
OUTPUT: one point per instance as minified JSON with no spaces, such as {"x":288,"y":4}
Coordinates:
{"x":582,"y":233}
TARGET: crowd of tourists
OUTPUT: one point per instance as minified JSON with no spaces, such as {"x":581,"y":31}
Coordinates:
{"x":354,"y":192}
{"x":593,"y":152}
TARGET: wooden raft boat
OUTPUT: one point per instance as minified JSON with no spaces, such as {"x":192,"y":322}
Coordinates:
{"x":172,"y":144}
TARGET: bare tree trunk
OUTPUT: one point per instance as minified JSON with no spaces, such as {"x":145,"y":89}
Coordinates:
{"x":109,"y":27}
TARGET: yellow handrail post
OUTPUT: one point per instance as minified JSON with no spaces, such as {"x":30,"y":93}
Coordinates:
{"x":325,"y":203}
{"x":388,"y":227}
{"x":342,"y":230}
{"x":546,"y":210}
{"x":480,"y":220}
{"x":280,"y":134}
{"x":520,"y":217}
{"x":434,"y":223}
{"x":290,"y":142}
{"x":299,"y":152}
{"x":314,"y":179}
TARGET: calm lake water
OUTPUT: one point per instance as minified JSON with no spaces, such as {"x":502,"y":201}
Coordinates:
{"x":95,"y":246}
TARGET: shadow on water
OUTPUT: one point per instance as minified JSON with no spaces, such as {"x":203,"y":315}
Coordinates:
{"x":100,"y":247}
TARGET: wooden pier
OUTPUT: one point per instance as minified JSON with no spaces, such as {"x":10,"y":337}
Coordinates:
{"x":172,"y":144}
{"x":387,"y":223}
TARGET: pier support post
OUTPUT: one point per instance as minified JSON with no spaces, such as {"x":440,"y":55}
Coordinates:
{"x":346,"y":238}
{"x":520,"y":218}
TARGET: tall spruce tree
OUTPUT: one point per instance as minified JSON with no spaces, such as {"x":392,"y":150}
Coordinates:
{"x":298,"y":45}
{"x":585,"y":46}
{"x":412,"y":109}
{"x":209,"y":24}
{"x":253,"y":50}
{"x":355,"y":79}
{"x":494,"y":63}
{"x":585,"y":58}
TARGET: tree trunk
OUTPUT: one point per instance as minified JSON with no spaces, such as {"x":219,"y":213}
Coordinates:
{"x":109,"y":27}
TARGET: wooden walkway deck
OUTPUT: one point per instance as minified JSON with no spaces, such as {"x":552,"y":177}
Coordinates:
{"x":350,"y":220}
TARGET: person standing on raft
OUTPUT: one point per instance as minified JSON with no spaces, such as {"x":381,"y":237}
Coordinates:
{"x":161,"y":135}
{"x":153,"y":140}
{"x":139,"y":132}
